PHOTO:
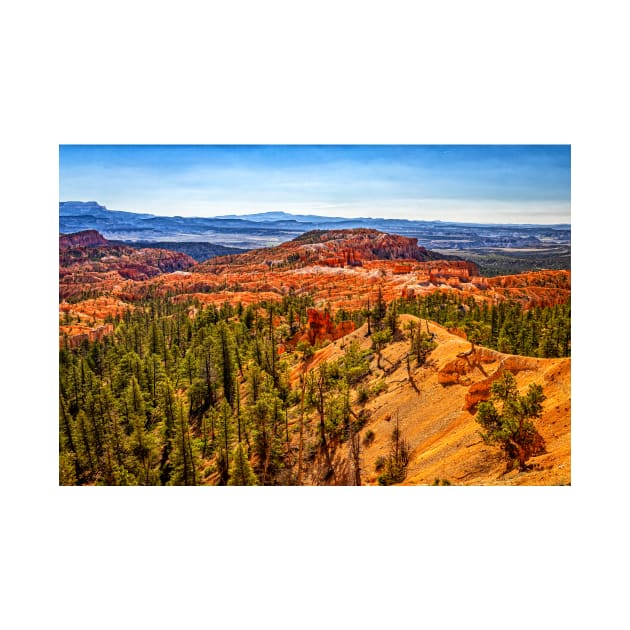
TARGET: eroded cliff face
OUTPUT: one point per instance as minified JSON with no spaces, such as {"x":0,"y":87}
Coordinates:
{"x":534,"y":288}
{"x":339,"y":269}
{"x":332,"y":248}
{"x":342,"y":268}
{"x":75,"y":336}
{"x":352,"y":247}
{"x":86,"y":238}
{"x":320,"y":327}
{"x":88,"y":261}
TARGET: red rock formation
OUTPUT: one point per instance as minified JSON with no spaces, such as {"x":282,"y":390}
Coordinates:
{"x":320,"y":327}
{"x":86,"y":238}
{"x":75,"y":340}
{"x":535,"y":288}
{"x":339,"y":269}
{"x":344,"y":328}
{"x":477,"y":392}
{"x":100,"y":267}
{"x":335,"y":248}
{"x":453,"y":372}
{"x":480,"y":391}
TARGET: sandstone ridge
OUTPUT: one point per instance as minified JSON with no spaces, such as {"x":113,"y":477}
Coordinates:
{"x":86,"y":238}
{"x":437,"y":415}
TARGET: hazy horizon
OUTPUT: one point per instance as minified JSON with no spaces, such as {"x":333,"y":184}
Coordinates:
{"x":502,"y":184}
{"x":300,"y":214}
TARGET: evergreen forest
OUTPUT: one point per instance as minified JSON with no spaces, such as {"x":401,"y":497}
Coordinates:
{"x":189,"y":394}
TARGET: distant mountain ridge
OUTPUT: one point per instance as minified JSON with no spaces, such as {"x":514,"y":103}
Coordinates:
{"x":272,"y":228}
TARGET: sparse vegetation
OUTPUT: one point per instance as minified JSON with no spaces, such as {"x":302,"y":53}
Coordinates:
{"x":421,"y":343}
{"x":395,"y":465}
{"x":368,"y":438}
{"x":441,"y":482}
{"x":363,"y":395}
{"x":507,"y":420}
{"x":379,"y":387}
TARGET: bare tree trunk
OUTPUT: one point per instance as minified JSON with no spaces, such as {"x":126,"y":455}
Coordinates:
{"x":410,"y":375}
{"x":184,"y":450}
{"x":463,"y":355}
{"x":323,"y":442}
{"x":238,"y":411}
{"x":355,"y":455}
{"x":299,"y":473}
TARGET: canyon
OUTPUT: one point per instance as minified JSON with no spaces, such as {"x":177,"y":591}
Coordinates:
{"x":551,"y":242}
{"x":342,"y":271}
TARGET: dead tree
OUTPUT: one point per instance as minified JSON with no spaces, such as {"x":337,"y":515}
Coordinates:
{"x":321,"y":388}
{"x":303,"y":389}
{"x":355,"y":454}
{"x":410,"y":375}
{"x":463,"y":355}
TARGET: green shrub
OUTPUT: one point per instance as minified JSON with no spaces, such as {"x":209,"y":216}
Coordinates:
{"x":368,"y":439}
{"x":379,"y":387}
{"x":441,"y":482}
{"x":306,"y":349}
{"x":363,"y":395}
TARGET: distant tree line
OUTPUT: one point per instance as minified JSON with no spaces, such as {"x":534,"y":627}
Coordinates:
{"x":505,"y":326}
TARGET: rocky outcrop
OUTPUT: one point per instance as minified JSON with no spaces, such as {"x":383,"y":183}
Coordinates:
{"x":86,"y":238}
{"x":75,"y":340}
{"x":454,"y":372}
{"x":339,"y":248}
{"x":459,"y":370}
{"x":464,"y":370}
{"x":320,"y":327}
{"x":338,"y":269}
{"x":480,"y":391}
{"x":477,"y":392}
{"x":535,"y":288}
{"x":100,"y":267}
{"x":352,"y":247}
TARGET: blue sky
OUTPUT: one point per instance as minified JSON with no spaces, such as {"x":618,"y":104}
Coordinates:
{"x":480,"y":183}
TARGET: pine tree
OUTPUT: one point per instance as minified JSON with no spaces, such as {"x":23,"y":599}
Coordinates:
{"x":507,"y":420}
{"x":392,"y":321}
{"x":184,"y":457}
{"x":397,"y":460}
{"x":380,"y":309}
{"x":225,"y":434}
{"x":241,"y":472}
{"x":225,"y":362}
{"x":168,"y":431}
